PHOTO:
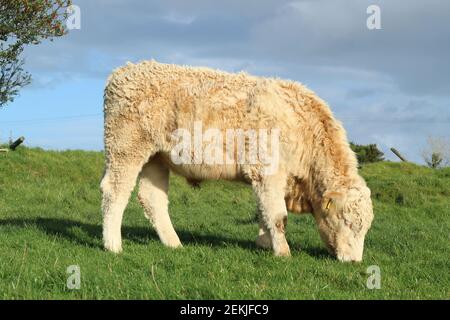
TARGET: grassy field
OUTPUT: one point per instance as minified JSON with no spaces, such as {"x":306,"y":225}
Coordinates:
{"x":50,"y":218}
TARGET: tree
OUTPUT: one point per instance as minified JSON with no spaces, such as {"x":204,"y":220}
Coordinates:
{"x":367,"y":153}
{"x":22,"y":23}
{"x":437,"y":153}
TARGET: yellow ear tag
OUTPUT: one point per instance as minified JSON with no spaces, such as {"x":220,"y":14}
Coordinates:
{"x":328,"y":204}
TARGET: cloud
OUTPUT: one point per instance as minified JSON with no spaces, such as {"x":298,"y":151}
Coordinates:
{"x":372,"y":79}
{"x":179,"y":19}
{"x":412,"y":45}
{"x":412,"y":48}
{"x":356,"y":93}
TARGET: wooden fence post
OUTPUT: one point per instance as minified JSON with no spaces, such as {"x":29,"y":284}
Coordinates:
{"x":16,"y":143}
{"x":394,"y":151}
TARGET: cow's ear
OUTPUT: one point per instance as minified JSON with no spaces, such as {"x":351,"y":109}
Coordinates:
{"x":332,"y":199}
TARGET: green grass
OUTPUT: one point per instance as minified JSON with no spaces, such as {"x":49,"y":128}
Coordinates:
{"x":50,"y":218}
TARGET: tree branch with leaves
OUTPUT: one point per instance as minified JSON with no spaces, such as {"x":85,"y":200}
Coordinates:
{"x":22,"y":23}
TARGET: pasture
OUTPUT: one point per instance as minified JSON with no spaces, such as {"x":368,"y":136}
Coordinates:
{"x":50,"y":218}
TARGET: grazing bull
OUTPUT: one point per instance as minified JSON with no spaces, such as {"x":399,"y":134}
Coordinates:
{"x":313,"y":169}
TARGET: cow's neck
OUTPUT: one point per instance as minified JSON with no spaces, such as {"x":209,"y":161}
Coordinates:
{"x":333,"y":167}
{"x":328,"y":162}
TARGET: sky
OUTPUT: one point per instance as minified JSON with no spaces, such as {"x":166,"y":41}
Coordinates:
{"x":389,"y":86}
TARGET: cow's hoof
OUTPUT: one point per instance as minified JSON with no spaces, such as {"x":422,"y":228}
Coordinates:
{"x":113,"y":246}
{"x":174,"y":245}
{"x":283,"y":254}
{"x":344,"y":258}
{"x":284,"y":251}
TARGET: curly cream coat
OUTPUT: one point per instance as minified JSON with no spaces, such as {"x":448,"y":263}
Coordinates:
{"x":145,"y":103}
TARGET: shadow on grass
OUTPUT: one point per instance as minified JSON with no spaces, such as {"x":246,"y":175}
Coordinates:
{"x":90,"y":235}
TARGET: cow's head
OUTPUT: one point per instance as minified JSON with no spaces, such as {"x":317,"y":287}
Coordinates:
{"x":343,"y":218}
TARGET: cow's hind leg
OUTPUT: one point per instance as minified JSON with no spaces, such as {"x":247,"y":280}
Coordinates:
{"x":117,"y":184}
{"x":270,"y":194}
{"x":153,"y":196}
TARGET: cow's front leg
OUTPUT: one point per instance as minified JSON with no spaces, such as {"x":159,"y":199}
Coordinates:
{"x":270,"y":194}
